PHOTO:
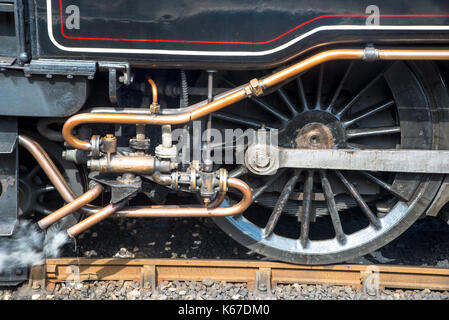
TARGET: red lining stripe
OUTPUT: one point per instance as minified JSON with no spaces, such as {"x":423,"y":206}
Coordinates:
{"x":252,"y":43}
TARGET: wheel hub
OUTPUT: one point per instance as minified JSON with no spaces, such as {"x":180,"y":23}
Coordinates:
{"x":314,"y":136}
{"x":314,"y":129}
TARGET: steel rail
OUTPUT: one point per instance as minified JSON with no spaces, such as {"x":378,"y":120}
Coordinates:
{"x":239,"y":271}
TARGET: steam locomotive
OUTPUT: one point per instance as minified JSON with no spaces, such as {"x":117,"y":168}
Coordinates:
{"x":330,"y":117}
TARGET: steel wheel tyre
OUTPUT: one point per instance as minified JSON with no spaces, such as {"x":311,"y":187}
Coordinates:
{"x":412,"y":93}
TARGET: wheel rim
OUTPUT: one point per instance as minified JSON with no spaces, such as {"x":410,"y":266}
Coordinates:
{"x":349,"y":121}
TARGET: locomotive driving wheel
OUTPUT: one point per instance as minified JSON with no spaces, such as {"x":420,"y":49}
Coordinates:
{"x":318,"y":216}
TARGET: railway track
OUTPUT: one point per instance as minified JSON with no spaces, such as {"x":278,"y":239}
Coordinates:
{"x":260,"y":276}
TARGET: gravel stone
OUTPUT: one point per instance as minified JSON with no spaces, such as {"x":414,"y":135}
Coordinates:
{"x":208,"y":282}
{"x":124,"y":253}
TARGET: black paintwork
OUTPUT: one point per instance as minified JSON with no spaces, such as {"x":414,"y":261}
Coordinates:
{"x":225,"y":25}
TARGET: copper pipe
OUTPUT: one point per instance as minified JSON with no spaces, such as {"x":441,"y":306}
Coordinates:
{"x":96,"y":214}
{"x":48,"y":166}
{"x":298,"y":68}
{"x":153,"y":89}
{"x":189,"y":212}
{"x":162,"y":179}
{"x":155,"y":211}
{"x":124,"y":164}
{"x":95,"y":218}
{"x":52,"y":171}
{"x":384,"y":54}
{"x":71,"y":207}
{"x":85,"y":118}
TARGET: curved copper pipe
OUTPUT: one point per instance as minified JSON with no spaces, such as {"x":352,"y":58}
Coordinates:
{"x":180,"y":211}
{"x":48,"y":166}
{"x":162,"y":179}
{"x":85,"y":118}
{"x":52,"y":172}
{"x":296,"y":69}
{"x":237,"y":95}
{"x":155,"y":211}
{"x":95,"y":218}
{"x":228,"y":99}
{"x":218,"y":200}
{"x":153,"y":89}
{"x":71,"y":207}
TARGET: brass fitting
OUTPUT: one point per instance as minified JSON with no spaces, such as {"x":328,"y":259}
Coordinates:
{"x":254,"y":87}
{"x":109,"y":145}
{"x":223,"y":180}
{"x":155,"y":108}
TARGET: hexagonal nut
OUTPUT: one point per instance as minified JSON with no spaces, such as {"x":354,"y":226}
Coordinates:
{"x":155,"y":108}
{"x":256,"y":87}
{"x":256,"y":162}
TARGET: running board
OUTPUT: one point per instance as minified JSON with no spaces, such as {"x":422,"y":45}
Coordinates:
{"x":409,"y":161}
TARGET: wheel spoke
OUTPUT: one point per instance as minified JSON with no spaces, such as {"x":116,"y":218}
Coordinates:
{"x":332,"y":206}
{"x":369,"y":113}
{"x":306,"y":208}
{"x":280,"y":204}
{"x":340,"y":87}
{"x":302,"y":94}
{"x":270,"y":109}
{"x":369,"y":132}
{"x":33,"y":172}
{"x":45,"y":189}
{"x":319,"y":87}
{"x":40,"y":208}
{"x":358,"y":95}
{"x":240,"y":171}
{"x":257,"y":192}
{"x":287,"y":102}
{"x":240,"y":120}
{"x":384,"y":185}
{"x":357,"y":197}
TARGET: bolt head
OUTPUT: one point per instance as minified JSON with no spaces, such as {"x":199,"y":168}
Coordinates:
{"x":24,"y":57}
{"x":262,"y":287}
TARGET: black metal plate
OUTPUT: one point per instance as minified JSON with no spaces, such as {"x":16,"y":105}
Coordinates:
{"x":241,"y":31}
